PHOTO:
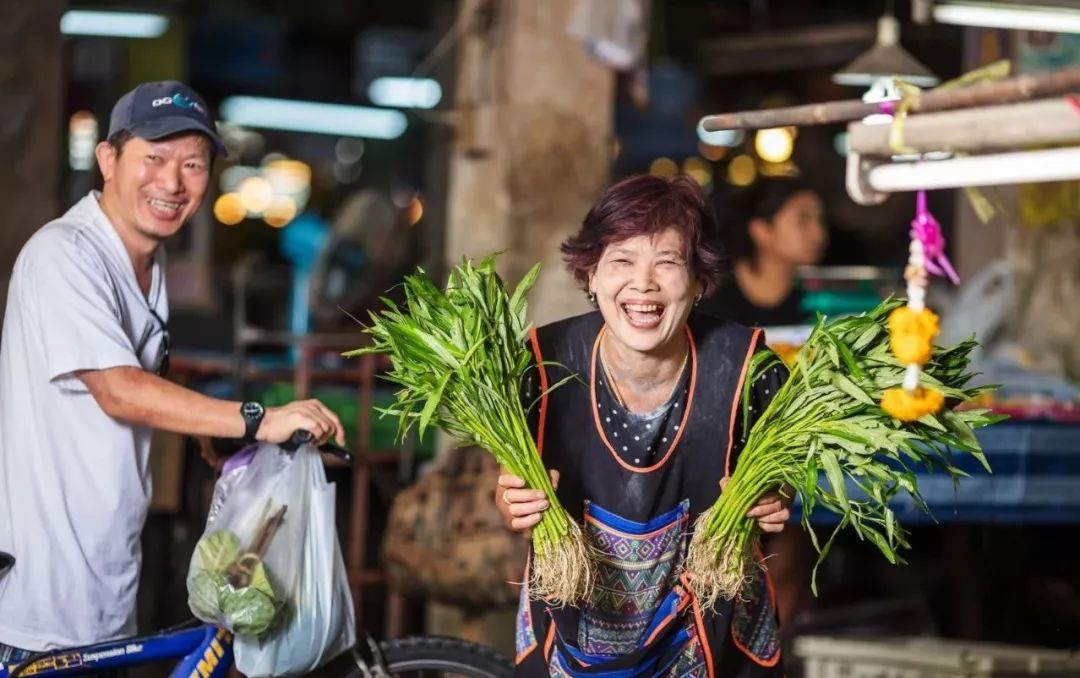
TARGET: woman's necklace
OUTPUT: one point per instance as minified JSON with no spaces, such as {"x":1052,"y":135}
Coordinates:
{"x":615,"y":388}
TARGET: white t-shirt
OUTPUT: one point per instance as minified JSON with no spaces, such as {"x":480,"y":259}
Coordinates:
{"x":74,"y":482}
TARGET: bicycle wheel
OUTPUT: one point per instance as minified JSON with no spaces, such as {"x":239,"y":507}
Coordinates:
{"x":430,"y":656}
{"x":441,"y":656}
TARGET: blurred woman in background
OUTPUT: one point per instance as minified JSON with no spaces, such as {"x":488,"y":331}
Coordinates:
{"x":774,"y":230}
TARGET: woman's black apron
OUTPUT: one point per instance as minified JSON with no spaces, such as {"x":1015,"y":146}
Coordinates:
{"x":641,"y":619}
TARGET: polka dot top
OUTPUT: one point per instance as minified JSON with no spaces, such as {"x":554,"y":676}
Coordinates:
{"x":642,"y":440}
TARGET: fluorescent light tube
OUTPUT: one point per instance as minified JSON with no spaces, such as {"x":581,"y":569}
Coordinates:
{"x":1021,"y":167}
{"x":318,"y":118}
{"x":113,"y":24}
{"x":1021,"y":18}
{"x":405,"y":92}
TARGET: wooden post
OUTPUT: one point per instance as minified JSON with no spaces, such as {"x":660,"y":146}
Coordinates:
{"x":30,"y":98}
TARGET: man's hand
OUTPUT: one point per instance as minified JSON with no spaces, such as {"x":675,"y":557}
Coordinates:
{"x":520,"y":507}
{"x":279,"y":423}
{"x":771,"y":510}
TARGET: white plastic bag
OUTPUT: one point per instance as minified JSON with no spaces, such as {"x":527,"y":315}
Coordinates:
{"x":313,"y":619}
{"x":231,"y":473}
{"x":321,"y":624}
{"x":614,"y":32}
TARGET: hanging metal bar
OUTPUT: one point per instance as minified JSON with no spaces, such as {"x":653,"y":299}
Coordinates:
{"x":1022,"y":88}
{"x":991,"y":128}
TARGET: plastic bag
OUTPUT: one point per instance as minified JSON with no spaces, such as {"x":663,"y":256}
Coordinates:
{"x":321,"y":624}
{"x":269,"y":567}
{"x":231,"y":472}
{"x":614,"y":32}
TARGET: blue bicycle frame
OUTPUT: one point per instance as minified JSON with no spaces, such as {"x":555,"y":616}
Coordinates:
{"x":203,"y":651}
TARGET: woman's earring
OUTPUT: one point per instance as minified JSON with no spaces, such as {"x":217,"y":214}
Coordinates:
{"x":697,"y":299}
{"x":592,"y":297}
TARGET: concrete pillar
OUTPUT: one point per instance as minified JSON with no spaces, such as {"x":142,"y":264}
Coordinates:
{"x":532,"y":149}
{"x":30,"y":126}
{"x":532,"y":146}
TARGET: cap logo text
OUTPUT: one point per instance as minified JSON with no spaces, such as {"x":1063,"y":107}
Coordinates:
{"x":178,"y":100}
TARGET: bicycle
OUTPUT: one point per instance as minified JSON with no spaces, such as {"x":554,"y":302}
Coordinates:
{"x":206,"y":651}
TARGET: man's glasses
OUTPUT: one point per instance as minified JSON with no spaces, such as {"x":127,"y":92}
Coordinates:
{"x":163,"y":352}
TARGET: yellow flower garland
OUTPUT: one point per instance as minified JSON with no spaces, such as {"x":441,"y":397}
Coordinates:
{"x":912,"y":330}
{"x":911,"y":406}
{"x":911,"y":334}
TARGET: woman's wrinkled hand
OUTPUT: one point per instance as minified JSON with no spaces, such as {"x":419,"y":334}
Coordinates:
{"x":519,"y":506}
{"x":771,"y":510}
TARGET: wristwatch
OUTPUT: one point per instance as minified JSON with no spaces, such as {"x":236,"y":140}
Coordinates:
{"x":252,"y":412}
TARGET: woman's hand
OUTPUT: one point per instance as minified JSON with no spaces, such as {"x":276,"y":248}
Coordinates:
{"x":519,"y":506}
{"x":771,"y":510}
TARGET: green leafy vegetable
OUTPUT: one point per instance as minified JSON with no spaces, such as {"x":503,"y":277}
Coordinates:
{"x":460,"y":356}
{"x":827,"y":418}
{"x":250,"y":609}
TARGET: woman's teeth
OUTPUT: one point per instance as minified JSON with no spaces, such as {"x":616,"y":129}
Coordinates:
{"x":644,"y":316}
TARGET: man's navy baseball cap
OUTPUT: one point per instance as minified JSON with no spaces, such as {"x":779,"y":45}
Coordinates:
{"x":155,"y":110}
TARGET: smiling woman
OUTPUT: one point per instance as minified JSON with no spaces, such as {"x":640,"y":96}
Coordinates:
{"x":641,"y":441}
{"x":645,"y":256}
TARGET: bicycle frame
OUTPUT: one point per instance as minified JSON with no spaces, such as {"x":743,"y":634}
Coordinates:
{"x":204,"y":652}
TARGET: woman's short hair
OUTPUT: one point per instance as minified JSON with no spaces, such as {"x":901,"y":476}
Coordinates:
{"x":646,"y":205}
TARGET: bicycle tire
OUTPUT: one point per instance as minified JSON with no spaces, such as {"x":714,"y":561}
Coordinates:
{"x":427,"y":655}
{"x":440,"y":653}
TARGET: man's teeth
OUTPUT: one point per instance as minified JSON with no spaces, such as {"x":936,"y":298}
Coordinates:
{"x":165,"y":205}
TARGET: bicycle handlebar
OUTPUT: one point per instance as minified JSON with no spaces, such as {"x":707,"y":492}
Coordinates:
{"x":302,"y":437}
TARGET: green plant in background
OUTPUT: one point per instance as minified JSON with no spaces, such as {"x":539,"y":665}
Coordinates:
{"x":827,"y":419}
{"x":459,"y":356}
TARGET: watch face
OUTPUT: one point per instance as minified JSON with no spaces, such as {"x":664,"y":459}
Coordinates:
{"x":251,"y":410}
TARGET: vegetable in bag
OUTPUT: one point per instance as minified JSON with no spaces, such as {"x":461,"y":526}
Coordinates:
{"x":232,"y":587}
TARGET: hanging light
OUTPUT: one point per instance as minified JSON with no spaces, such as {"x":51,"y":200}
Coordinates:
{"x":742,"y":170}
{"x":113,"y":24}
{"x":256,"y":194}
{"x":879,"y":68}
{"x":229,"y":210}
{"x":774,"y":144}
{"x":885,"y":60}
{"x":663,"y":167}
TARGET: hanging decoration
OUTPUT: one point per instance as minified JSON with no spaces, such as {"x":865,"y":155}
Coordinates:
{"x":912,"y":328}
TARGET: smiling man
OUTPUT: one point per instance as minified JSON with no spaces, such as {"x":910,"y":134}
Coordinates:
{"x":83,"y":354}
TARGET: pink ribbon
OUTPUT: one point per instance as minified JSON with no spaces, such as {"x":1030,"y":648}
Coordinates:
{"x":1073,"y":101}
{"x":926,"y":229}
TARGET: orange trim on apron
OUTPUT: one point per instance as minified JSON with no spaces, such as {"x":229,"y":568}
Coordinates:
{"x":543,"y":391}
{"x":732,"y":433}
{"x":682,"y":424}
